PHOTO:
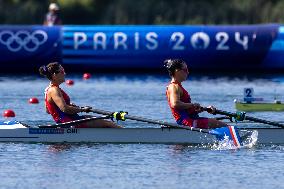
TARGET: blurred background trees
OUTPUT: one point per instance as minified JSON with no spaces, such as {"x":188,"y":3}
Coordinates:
{"x":145,"y":11}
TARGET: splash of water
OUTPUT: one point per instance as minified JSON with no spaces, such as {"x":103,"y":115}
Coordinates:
{"x":225,"y":144}
{"x":249,"y":140}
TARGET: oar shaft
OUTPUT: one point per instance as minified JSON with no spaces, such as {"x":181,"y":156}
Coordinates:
{"x":75,"y":122}
{"x":264,"y":121}
{"x":136,"y":118}
{"x":250,"y":118}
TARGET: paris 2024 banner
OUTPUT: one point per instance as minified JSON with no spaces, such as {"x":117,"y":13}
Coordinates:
{"x":144,"y":47}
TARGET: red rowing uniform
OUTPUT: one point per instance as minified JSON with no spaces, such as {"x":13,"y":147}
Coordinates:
{"x":188,"y":117}
{"x":56,"y":113}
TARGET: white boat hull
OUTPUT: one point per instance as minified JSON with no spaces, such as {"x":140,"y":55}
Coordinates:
{"x":126,"y":135}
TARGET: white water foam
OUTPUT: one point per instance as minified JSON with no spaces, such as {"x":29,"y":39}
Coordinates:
{"x":225,"y":144}
{"x":249,"y":140}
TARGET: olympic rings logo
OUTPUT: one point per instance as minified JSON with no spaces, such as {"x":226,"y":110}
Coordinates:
{"x":23,"y":39}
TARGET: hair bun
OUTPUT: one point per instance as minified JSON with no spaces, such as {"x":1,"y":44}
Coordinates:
{"x":43,"y":70}
{"x":168,"y":63}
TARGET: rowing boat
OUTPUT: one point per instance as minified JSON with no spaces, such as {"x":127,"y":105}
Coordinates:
{"x":259,"y":106}
{"x":17,"y":132}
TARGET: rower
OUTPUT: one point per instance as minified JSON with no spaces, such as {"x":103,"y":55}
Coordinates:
{"x":184,"y":111}
{"x":57,"y":102}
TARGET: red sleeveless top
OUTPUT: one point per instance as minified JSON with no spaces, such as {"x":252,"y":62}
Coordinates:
{"x":180,"y":115}
{"x":56,"y":113}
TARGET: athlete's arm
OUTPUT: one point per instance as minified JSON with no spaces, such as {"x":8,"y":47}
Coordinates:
{"x":58,"y":99}
{"x":175,"y":102}
{"x":46,"y":109}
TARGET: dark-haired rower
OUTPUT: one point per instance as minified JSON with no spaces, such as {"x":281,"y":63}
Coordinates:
{"x":57,"y":102}
{"x":184,"y":111}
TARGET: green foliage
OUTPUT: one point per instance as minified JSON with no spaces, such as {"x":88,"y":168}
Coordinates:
{"x":145,"y":11}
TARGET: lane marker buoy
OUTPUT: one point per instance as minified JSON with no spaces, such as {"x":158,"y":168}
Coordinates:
{"x":69,"y":82}
{"x":33,"y":100}
{"x":86,"y":76}
{"x":9,"y":113}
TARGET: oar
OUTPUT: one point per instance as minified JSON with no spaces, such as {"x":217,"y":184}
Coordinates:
{"x":220,"y":133}
{"x":75,"y":122}
{"x":240,"y":116}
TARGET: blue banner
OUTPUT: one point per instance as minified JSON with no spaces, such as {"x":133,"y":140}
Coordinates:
{"x":203,"y":47}
{"x":28,"y":47}
{"x":111,"y":47}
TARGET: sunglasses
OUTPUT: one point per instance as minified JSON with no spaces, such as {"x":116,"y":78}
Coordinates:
{"x":62,"y":71}
{"x":185,"y":70}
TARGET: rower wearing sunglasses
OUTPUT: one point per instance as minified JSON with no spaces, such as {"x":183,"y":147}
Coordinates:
{"x":184,"y":111}
{"x":57,"y":102}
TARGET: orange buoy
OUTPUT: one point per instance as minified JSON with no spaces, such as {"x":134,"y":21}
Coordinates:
{"x":86,"y":76}
{"x":69,"y":82}
{"x":33,"y":100}
{"x":9,"y":113}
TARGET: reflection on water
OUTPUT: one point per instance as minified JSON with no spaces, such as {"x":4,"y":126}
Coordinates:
{"x":60,"y":147}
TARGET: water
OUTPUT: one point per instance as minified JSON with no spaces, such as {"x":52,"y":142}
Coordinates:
{"x":137,"y":165}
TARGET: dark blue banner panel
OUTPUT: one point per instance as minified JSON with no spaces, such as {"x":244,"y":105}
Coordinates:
{"x":203,"y":47}
{"x":28,"y":47}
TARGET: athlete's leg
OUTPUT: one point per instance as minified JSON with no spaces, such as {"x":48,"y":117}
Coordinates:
{"x":203,"y":123}
{"x":214,"y":123}
{"x":101,"y":123}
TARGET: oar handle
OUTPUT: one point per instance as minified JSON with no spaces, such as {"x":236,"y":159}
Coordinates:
{"x":209,"y":110}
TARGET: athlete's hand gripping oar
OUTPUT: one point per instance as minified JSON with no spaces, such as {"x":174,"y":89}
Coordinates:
{"x":75,"y":122}
{"x":240,"y":116}
{"x":220,"y":133}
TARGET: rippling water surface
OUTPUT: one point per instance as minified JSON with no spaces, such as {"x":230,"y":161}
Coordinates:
{"x":138,"y":165}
